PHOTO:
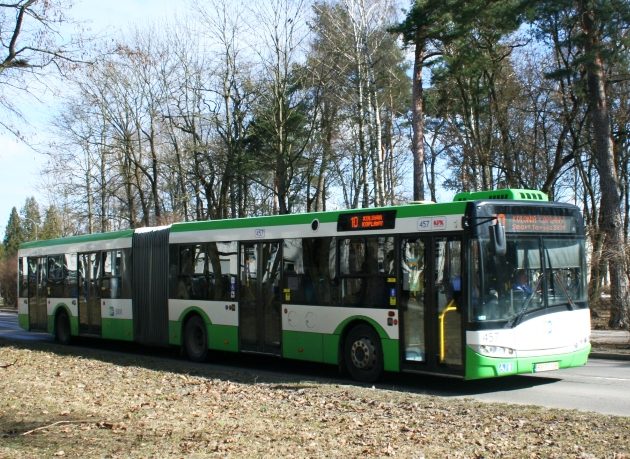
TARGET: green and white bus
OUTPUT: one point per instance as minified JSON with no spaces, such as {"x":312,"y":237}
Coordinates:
{"x":491,"y":284}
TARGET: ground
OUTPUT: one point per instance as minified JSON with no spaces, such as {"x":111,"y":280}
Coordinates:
{"x":64,"y":402}
{"x":600,"y":315}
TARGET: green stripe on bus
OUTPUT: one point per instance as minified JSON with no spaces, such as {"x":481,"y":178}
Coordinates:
{"x":120,"y":329}
{"x":331,"y":349}
{"x":303,"y":346}
{"x":174,"y":332}
{"x":23,"y":321}
{"x":391,"y":354}
{"x":406,"y":211}
{"x":223,"y":337}
{"x":480,"y":367}
{"x":318,"y":347}
{"x":220,"y":337}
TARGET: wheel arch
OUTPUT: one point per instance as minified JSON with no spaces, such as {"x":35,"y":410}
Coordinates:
{"x":60,"y":308}
{"x":184,"y":317}
{"x":190,"y":312}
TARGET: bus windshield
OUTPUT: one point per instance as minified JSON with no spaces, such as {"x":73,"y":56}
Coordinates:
{"x":536,"y":273}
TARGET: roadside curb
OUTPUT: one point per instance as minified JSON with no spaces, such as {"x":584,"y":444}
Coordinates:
{"x":609,"y":356}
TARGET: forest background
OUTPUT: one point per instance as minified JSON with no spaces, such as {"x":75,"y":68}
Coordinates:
{"x":284,"y":106}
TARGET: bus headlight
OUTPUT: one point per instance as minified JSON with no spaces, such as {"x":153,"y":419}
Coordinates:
{"x":494,"y":351}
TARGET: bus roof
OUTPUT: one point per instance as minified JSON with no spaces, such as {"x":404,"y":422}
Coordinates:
{"x":402,"y":211}
{"x":123,"y":238}
{"x":83,"y":242}
{"x":512,"y":194}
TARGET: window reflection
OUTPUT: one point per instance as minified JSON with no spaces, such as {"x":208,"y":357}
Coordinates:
{"x":535,"y":273}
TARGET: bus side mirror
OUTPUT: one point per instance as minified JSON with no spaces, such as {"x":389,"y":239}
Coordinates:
{"x":497,"y":235}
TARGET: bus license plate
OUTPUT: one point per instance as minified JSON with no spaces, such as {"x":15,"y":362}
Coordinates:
{"x":546,"y":366}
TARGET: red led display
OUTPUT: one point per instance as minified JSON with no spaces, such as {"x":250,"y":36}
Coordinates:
{"x":361,"y":221}
{"x":537,"y":223}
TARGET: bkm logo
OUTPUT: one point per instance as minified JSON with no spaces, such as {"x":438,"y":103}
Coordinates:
{"x":439,"y":223}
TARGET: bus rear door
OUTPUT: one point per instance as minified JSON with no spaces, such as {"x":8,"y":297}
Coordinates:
{"x":37,"y":295}
{"x":90,"y":272}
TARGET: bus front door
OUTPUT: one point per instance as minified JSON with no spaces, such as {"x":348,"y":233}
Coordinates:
{"x":447,"y":302}
{"x":90,"y":265}
{"x":37,"y":294}
{"x":260,"y":297}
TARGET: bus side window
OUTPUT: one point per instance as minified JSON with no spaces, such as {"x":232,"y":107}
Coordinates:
{"x":293,"y":277}
{"x":70,"y":284}
{"x":366,"y":263}
{"x":184,"y":271}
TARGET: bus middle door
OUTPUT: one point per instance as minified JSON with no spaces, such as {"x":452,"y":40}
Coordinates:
{"x":260,"y":297}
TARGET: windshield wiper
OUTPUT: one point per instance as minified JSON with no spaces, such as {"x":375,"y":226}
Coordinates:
{"x":517,"y":319}
{"x":566,"y":292}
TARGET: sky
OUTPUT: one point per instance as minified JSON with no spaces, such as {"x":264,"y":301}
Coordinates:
{"x":21,"y":165}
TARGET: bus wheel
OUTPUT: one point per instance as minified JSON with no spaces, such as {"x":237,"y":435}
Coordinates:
{"x":62,"y":328}
{"x":362,"y":354}
{"x":196,"y":339}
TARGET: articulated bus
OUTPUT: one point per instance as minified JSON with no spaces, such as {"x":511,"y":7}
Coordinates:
{"x":491,"y":284}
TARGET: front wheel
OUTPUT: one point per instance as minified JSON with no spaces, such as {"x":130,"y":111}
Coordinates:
{"x":62,"y":328}
{"x":363,"y":355}
{"x":196,"y":339}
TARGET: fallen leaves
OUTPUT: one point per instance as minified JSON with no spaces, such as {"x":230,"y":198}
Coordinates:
{"x":137,"y":406}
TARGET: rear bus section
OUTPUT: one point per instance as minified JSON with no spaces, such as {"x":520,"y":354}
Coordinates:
{"x":76,"y":286}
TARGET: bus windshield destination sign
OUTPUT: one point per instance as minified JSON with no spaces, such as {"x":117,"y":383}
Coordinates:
{"x":538,"y":223}
{"x":358,"y":221}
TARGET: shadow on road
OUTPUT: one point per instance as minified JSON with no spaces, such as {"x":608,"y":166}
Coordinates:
{"x":257,"y":369}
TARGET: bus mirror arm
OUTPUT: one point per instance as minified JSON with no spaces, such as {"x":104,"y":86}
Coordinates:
{"x":472,"y":222}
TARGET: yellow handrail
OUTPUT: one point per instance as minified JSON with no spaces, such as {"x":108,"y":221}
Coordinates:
{"x":450,"y":307}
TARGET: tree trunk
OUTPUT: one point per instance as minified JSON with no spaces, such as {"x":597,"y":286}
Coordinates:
{"x":612,"y":224}
{"x":417,"y":143}
{"x":103,"y":187}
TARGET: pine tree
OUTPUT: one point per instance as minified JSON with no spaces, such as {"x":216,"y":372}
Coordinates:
{"x":53,"y":225}
{"x":595,"y":16}
{"x":31,"y":219}
{"x":13,"y":235}
{"x":432,"y":24}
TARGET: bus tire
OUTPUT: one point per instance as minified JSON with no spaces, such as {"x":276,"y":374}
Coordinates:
{"x":63,"y":334}
{"x":363,"y":355}
{"x":196,"y":339}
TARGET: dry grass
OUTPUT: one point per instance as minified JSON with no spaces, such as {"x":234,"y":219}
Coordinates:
{"x":56,"y":403}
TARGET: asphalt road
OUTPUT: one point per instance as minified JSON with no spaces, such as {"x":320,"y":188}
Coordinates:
{"x":602,"y":386}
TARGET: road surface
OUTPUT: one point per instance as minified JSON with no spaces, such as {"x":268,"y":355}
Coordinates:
{"x":602,"y":386}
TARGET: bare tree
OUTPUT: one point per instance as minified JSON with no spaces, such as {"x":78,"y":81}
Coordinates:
{"x":30,"y":43}
{"x":284,"y":32}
